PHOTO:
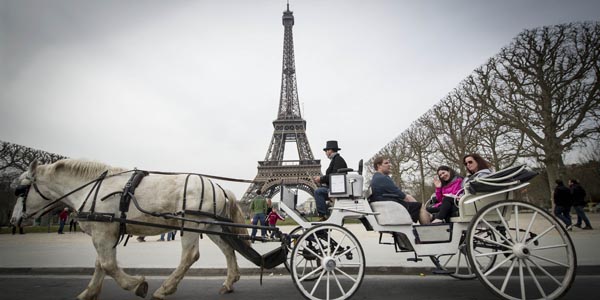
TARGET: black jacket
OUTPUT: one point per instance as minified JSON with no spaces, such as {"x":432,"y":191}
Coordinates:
{"x":562,"y":196}
{"x":578,"y":195}
{"x":337,"y":162}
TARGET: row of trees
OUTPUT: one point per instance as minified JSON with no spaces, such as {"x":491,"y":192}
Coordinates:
{"x":533,"y":102}
{"x":14,"y":160}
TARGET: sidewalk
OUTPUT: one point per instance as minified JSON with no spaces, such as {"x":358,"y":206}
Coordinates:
{"x":73,"y":253}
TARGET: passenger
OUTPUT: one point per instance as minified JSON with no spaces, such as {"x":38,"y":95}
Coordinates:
{"x":448,"y":187}
{"x":322,"y":193}
{"x":382,"y":184}
{"x":476,"y":167}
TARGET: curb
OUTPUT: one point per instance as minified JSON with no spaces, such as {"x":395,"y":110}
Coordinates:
{"x":581,"y":270}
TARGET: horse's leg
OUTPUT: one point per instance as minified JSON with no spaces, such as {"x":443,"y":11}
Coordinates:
{"x":233,"y":271}
{"x":95,"y":286}
{"x":107,"y":257}
{"x":189,"y":255}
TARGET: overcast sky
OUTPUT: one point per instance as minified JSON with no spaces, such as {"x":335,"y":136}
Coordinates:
{"x":194,"y":85}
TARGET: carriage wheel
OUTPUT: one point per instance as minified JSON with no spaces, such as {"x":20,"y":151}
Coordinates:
{"x":293,"y":238}
{"x":337,"y":263}
{"x":535,"y":256}
{"x":458,"y":264}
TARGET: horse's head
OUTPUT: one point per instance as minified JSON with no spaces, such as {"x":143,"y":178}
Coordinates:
{"x":29,"y":202}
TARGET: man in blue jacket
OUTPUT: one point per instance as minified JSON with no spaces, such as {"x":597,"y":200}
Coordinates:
{"x":322,"y":193}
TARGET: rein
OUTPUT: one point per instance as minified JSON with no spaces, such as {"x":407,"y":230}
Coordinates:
{"x":45,"y":209}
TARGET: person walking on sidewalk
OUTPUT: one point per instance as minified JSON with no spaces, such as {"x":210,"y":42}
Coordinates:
{"x":562,"y":203}
{"x":62,"y":220}
{"x":578,"y":196}
{"x":259,"y":208}
{"x":73,"y":221}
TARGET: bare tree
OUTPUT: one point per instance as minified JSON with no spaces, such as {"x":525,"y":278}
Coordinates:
{"x":419,"y":138}
{"x":545,"y":84}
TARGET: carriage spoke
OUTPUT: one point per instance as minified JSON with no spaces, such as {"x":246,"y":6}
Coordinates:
{"x":544,"y":271}
{"x":522,"y":280}
{"x":328,"y":286}
{"x":312,"y":292}
{"x":318,"y":243}
{"x":312,"y":273}
{"x":346,"y":274}
{"x":497,"y":233}
{"x":550,"y":247}
{"x":313,"y":252}
{"x":517,"y":228}
{"x":493,"y":253}
{"x":541,"y":235}
{"x":328,"y":245}
{"x":505,"y":225}
{"x":537,"y":284}
{"x":490,"y":271}
{"x":338,"y":283}
{"x":339,"y":244}
{"x":550,"y":260}
{"x":529,"y":226}
{"x":491,"y":242}
{"x":448,"y":261}
{"x":347,"y":250}
{"x":508,"y":274}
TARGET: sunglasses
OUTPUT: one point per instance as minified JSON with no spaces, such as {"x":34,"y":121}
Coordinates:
{"x":468,"y":162}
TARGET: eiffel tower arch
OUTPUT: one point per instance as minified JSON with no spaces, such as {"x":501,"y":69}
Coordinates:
{"x":289,"y":126}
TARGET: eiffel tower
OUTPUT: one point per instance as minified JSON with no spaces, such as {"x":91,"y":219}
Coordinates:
{"x":289,"y":126}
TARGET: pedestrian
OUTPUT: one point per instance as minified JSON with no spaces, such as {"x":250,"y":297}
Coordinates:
{"x":141,"y":238}
{"x":272,"y":220}
{"x":73,"y":221}
{"x":62,"y":220}
{"x":19,"y":225}
{"x":578,"y":196}
{"x":171,"y":235}
{"x":562,"y":203}
{"x":322,"y":193}
{"x":259,"y":208}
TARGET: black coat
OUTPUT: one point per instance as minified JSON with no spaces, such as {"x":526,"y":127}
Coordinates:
{"x":562,"y":196}
{"x":337,"y":162}
{"x":578,"y":195}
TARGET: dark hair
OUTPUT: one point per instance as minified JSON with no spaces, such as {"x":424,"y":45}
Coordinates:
{"x":379,"y":161}
{"x":258,"y":192}
{"x":481,"y":163}
{"x":559,"y":182}
{"x":574,"y":181}
{"x":450,"y":170}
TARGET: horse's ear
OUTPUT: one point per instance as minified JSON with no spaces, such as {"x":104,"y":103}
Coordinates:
{"x":32,"y":167}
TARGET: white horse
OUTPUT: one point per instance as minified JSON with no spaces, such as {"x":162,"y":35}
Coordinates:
{"x":41,"y":185}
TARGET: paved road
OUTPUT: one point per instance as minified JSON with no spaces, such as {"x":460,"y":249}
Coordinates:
{"x":275,"y":287}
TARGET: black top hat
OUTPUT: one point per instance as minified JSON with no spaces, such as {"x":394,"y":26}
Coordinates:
{"x":332,"y":145}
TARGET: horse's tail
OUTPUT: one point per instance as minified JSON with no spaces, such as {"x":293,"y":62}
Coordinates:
{"x":235,"y":213}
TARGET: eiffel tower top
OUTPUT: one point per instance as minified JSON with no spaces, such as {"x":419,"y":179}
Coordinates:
{"x":289,"y":106}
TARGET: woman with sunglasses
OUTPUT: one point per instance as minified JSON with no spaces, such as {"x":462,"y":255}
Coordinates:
{"x":476,"y":167}
{"x":448,"y":186}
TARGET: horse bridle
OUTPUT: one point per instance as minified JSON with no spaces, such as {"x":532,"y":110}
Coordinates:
{"x":23,"y":190}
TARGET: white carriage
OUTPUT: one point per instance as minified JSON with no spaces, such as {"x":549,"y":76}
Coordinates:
{"x":516,"y":249}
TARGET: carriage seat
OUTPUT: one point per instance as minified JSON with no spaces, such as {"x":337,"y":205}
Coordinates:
{"x":500,"y":180}
{"x":390,"y":213}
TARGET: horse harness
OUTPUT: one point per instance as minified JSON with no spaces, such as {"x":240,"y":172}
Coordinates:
{"x":128,"y":197}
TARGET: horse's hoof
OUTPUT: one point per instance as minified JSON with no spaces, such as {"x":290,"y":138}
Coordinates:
{"x":142,"y":289}
{"x":225,"y":290}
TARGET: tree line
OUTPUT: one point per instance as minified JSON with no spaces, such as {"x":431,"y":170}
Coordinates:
{"x":14,"y":160}
{"x":532,"y":103}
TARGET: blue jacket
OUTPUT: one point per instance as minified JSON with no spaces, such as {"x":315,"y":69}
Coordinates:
{"x":382,"y":184}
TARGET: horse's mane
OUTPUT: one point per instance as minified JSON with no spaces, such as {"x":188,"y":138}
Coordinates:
{"x":81,"y":168}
